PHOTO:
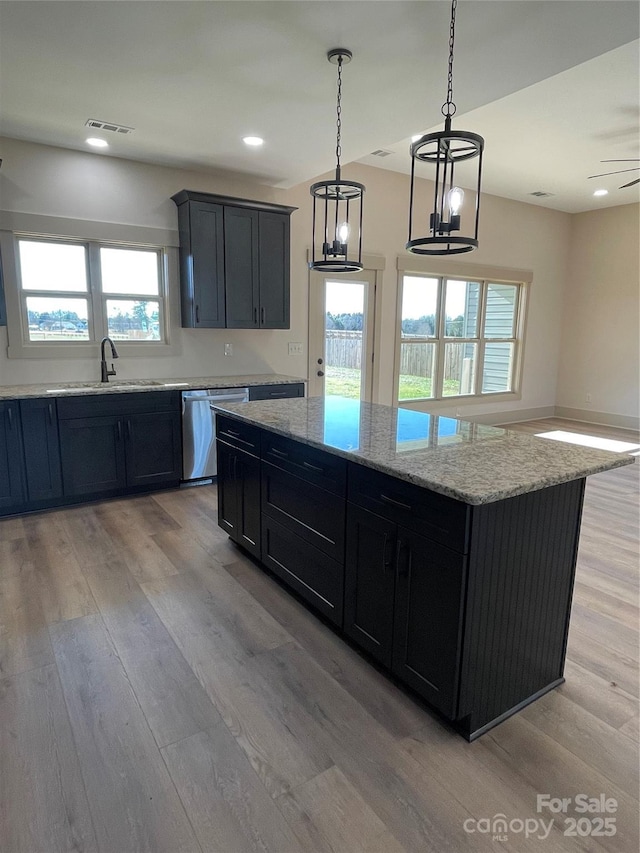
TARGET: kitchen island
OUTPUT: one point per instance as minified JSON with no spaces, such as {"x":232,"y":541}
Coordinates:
{"x":444,"y":549}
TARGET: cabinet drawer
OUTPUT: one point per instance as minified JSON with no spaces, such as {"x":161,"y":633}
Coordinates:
{"x":315,"y":466}
{"x":96,"y":405}
{"x":315,"y":515}
{"x":310,"y":572}
{"x":436,"y":516}
{"x":238,"y":434}
{"x":276,"y":392}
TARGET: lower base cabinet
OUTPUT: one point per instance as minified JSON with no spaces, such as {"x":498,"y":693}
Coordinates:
{"x":239,"y":496}
{"x":12,"y":492}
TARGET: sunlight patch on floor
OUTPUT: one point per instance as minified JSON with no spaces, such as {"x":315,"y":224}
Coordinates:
{"x":591,"y":441}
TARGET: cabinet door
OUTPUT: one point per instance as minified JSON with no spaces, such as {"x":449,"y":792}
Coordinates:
{"x":428,"y":619}
{"x":370,"y":582}
{"x":11,"y":468}
{"x":41,"y":449}
{"x":276,"y":392}
{"x":274,"y":270}
{"x":3,"y":309}
{"x":239,"y":496}
{"x":92,"y":453}
{"x":202,"y":265}
{"x":153,"y":448}
{"x":241,"y":267}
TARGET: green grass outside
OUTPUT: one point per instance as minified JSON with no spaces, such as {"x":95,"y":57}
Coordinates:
{"x":345,"y":382}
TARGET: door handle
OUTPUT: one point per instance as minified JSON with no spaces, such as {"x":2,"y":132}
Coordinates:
{"x":197,"y":314}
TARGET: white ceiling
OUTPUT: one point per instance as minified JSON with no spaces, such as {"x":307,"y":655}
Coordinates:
{"x":553,"y":86}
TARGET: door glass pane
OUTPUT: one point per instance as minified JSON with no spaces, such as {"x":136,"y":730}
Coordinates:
{"x":461,"y":309}
{"x":419,"y":307}
{"x":52,"y":266}
{"x":52,"y":318}
{"x":417,"y":368}
{"x":129,"y":271}
{"x":501,"y":310}
{"x":498,"y":367}
{"x":133,"y":321}
{"x":343,"y":335}
{"x":459,"y":369}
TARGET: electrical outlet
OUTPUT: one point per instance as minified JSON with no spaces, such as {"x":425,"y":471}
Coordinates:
{"x":228,"y":349}
{"x":588,"y":398}
{"x":295,"y":348}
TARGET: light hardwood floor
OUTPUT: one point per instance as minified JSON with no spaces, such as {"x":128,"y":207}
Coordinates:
{"x":159,"y":692}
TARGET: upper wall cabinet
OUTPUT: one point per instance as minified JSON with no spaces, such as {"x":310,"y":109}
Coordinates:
{"x":234,"y":262}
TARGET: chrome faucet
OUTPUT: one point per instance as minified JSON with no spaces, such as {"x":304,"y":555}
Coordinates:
{"x":105,"y":372}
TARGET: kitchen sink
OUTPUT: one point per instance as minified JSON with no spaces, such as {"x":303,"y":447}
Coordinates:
{"x":129,"y":384}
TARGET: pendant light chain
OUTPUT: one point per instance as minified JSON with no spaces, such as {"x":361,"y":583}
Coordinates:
{"x":339,"y":117}
{"x":449,"y":108}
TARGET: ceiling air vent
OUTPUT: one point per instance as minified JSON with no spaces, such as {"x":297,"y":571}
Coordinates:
{"x":108,"y":125}
{"x":541,"y":194}
{"x":380,"y":152}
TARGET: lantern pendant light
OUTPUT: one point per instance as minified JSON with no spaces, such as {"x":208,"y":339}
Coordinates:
{"x":447,"y":215}
{"x":337,"y":204}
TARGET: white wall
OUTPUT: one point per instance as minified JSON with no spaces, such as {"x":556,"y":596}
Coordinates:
{"x":57,"y":182}
{"x":600,"y":352}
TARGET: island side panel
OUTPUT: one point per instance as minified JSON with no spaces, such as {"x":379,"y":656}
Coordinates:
{"x":520,"y":584}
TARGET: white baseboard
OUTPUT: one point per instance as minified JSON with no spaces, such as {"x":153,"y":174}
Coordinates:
{"x":513,"y":416}
{"x":603,"y":418}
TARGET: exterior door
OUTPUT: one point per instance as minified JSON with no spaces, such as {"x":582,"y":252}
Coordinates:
{"x":341,"y":323}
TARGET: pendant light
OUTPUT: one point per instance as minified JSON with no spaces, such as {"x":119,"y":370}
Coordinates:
{"x":448,"y":211}
{"x":337,"y":204}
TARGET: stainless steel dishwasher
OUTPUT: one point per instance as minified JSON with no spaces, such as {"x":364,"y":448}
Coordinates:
{"x":199,"y":429}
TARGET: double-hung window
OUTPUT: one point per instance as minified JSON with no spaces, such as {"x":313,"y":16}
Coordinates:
{"x":72,"y":292}
{"x":457,"y":337}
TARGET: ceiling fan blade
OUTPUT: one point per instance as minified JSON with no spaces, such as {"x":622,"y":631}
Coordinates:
{"x":630,"y":184}
{"x":618,"y":172}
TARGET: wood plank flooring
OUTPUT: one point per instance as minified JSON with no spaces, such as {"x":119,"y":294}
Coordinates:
{"x":159,"y":692}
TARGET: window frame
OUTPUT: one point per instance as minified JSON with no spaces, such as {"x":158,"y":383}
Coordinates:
{"x":440,"y":340}
{"x":20,"y":345}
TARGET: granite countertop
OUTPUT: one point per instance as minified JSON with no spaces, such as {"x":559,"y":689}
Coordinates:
{"x":76,"y":389}
{"x":469,"y":462}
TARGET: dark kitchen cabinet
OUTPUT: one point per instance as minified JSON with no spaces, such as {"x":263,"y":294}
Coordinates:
{"x":11,"y":467}
{"x":43,"y":473}
{"x":234,"y":262}
{"x":117,"y":444}
{"x":276,"y":392}
{"x":3,"y":308}
{"x":201,"y":229}
{"x":239,"y":496}
{"x":93,"y":456}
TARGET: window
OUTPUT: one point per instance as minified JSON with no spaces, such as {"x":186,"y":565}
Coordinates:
{"x":74,"y":292}
{"x":457,"y":337}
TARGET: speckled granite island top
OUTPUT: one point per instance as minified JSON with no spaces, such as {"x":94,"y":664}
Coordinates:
{"x":470,"y":462}
{"x":77,"y":389}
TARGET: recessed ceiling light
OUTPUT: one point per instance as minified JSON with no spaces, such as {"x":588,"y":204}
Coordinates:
{"x":255,"y":141}
{"x":97,"y":143}
{"x":601,"y":192}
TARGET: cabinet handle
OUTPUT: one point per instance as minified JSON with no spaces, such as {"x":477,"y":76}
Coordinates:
{"x":10,"y":413}
{"x":263,"y":316}
{"x":393,"y":502}
{"x":255,"y":316}
{"x":197,"y":314}
{"x":278,"y":393}
{"x":129,"y":428}
{"x":50,"y":407}
{"x":235,"y":467}
{"x":404,"y":567}
{"x":280,"y":453}
{"x":386,"y":559}
{"x":233,"y":433}
{"x":119,"y":430}
{"x":313,"y":467}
